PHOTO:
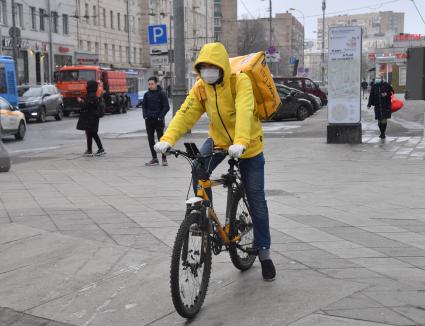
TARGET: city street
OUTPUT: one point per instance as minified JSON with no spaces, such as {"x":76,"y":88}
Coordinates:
{"x":87,"y":241}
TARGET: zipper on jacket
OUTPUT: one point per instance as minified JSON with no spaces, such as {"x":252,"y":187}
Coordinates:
{"x":218,"y":111}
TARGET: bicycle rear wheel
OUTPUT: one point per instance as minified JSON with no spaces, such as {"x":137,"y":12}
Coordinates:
{"x":190,"y":267}
{"x":241,"y":224}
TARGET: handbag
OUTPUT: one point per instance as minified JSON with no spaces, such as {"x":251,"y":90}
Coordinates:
{"x":396,"y":104}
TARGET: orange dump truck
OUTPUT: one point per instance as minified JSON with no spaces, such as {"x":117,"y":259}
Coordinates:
{"x":113,"y":87}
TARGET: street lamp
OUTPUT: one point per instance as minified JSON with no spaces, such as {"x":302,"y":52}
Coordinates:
{"x":270,"y":23}
{"x":293,"y":9}
{"x":323,"y":41}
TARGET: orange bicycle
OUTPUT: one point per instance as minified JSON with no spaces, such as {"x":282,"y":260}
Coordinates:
{"x":201,"y":233}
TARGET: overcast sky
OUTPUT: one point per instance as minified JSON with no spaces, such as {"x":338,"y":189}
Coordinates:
{"x":313,"y":8}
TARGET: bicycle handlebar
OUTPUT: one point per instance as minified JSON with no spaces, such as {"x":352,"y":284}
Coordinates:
{"x":177,"y":152}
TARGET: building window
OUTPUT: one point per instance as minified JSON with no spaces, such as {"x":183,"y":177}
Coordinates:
{"x":86,"y":13}
{"x":139,"y":23}
{"x":104,"y":17}
{"x":81,"y":46}
{"x":134,"y":55}
{"x":118,"y":21}
{"x":33,"y":18}
{"x":125,"y":23}
{"x":3,"y":12}
{"x":106,"y":51}
{"x":96,"y":47}
{"x":133,"y":24}
{"x":112,"y":19}
{"x":54,"y":15}
{"x":89,"y":46}
{"x":127,"y":50}
{"x":42,"y":13}
{"x":113,"y":53}
{"x":94,"y":15}
{"x":19,"y":15}
{"x":120,"y":53}
{"x":65,"y":24}
{"x":140,"y":55}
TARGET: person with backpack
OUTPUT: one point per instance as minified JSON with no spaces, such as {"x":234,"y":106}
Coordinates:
{"x":235,"y":126}
{"x":380,"y":99}
{"x":155,"y":106}
{"x":91,"y":111}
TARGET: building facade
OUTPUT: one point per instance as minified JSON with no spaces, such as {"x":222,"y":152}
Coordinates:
{"x":226,"y":25}
{"x":287,"y":37}
{"x":375,"y":25}
{"x":47,"y":37}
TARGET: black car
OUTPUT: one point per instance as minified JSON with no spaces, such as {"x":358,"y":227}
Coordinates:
{"x":291,"y":107}
{"x":40,"y":101}
{"x":314,"y":100}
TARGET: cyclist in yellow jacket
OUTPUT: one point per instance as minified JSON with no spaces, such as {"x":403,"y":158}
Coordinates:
{"x":233,"y":126}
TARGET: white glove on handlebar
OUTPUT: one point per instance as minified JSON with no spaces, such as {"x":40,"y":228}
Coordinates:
{"x":236,"y":150}
{"x":162,"y":147}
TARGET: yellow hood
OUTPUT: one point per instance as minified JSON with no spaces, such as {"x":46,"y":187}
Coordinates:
{"x":215,"y":54}
{"x":232,"y":119}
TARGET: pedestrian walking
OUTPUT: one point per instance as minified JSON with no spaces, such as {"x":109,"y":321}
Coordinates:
{"x":155,"y":106}
{"x":88,"y":121}
{"x":380,"y":99}
{"x":364,"y":86}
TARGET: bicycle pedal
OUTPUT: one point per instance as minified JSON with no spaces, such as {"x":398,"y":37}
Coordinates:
{"x":251,"y":251}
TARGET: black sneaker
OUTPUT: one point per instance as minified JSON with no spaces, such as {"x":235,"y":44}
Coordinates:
{"x":152,"y":162}
{"x":164,"y":162}
{"x":100,"y":152}
{"x":382,"y":136}
{"x":88,"y":154}
{"x":268,"y":270}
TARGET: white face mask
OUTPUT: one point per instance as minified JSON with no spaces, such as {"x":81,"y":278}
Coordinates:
{"x":378,"y":81}
{"x":210,"y":75}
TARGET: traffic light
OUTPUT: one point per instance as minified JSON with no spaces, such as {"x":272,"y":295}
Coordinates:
{"x":415,"y":79}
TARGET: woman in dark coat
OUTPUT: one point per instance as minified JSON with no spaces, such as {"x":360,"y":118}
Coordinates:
{"x":380,"y":98}
{"x":89,"y":119}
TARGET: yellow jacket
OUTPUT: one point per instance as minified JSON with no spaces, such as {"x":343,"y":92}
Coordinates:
{"x":232,"y":121}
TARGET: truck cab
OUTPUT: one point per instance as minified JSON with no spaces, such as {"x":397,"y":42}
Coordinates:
{"x":72,"y":83}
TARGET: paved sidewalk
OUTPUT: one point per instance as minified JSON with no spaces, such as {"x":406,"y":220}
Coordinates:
{"x":87,"y":241}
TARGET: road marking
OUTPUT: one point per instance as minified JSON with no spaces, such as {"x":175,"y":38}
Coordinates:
{"x":35,"y":149}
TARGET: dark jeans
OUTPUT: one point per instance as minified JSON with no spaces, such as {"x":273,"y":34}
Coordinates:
{"x":90,"y":135}
{"x":154,"y":125}
{"x":252,"y":172}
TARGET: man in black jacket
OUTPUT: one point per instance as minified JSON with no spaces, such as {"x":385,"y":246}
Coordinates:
{"x":155,"y":106}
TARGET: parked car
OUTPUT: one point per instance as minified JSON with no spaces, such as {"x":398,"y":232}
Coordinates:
{"x":314,"y":100}
{"x":40,"y":101}
{"x":12,"y":121}
{"x":140,"y":96}
{"x":303,"y":84}
{"x":291,"y":106}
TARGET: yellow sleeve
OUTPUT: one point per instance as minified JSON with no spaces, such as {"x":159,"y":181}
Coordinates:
{"x":245,"y":106}
{"x":185,"y":118}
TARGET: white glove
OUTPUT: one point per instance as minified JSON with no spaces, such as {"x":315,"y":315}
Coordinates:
{"x":236,"y":150}
{"x":162,"y":147}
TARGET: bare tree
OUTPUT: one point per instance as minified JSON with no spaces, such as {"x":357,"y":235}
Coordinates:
{"x":252,"y":36}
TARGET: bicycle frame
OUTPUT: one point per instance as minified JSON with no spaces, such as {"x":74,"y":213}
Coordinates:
{"x":228,"y":180}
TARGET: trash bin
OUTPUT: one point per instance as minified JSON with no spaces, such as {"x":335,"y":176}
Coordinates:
{"x":4,"y":158}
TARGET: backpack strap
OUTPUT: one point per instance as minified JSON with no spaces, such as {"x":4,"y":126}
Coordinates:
{"x":201,"y":94}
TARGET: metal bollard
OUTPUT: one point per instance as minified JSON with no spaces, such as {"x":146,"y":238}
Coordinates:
{"x":4,"y":158}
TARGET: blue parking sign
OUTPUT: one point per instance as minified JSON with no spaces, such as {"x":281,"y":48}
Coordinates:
{"x":157,"y":34}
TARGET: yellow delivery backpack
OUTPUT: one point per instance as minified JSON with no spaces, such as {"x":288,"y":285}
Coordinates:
{"x":255,"y":67}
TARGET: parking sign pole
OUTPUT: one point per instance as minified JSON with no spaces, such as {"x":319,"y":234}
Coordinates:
{"x":179,"y":93}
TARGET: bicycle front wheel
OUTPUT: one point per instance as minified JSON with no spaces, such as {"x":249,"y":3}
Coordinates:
{"x":241,"y":225}
{"x":190,"y":267}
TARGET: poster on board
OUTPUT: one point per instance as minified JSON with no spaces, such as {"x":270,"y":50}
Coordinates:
{"x":344,"y":74}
